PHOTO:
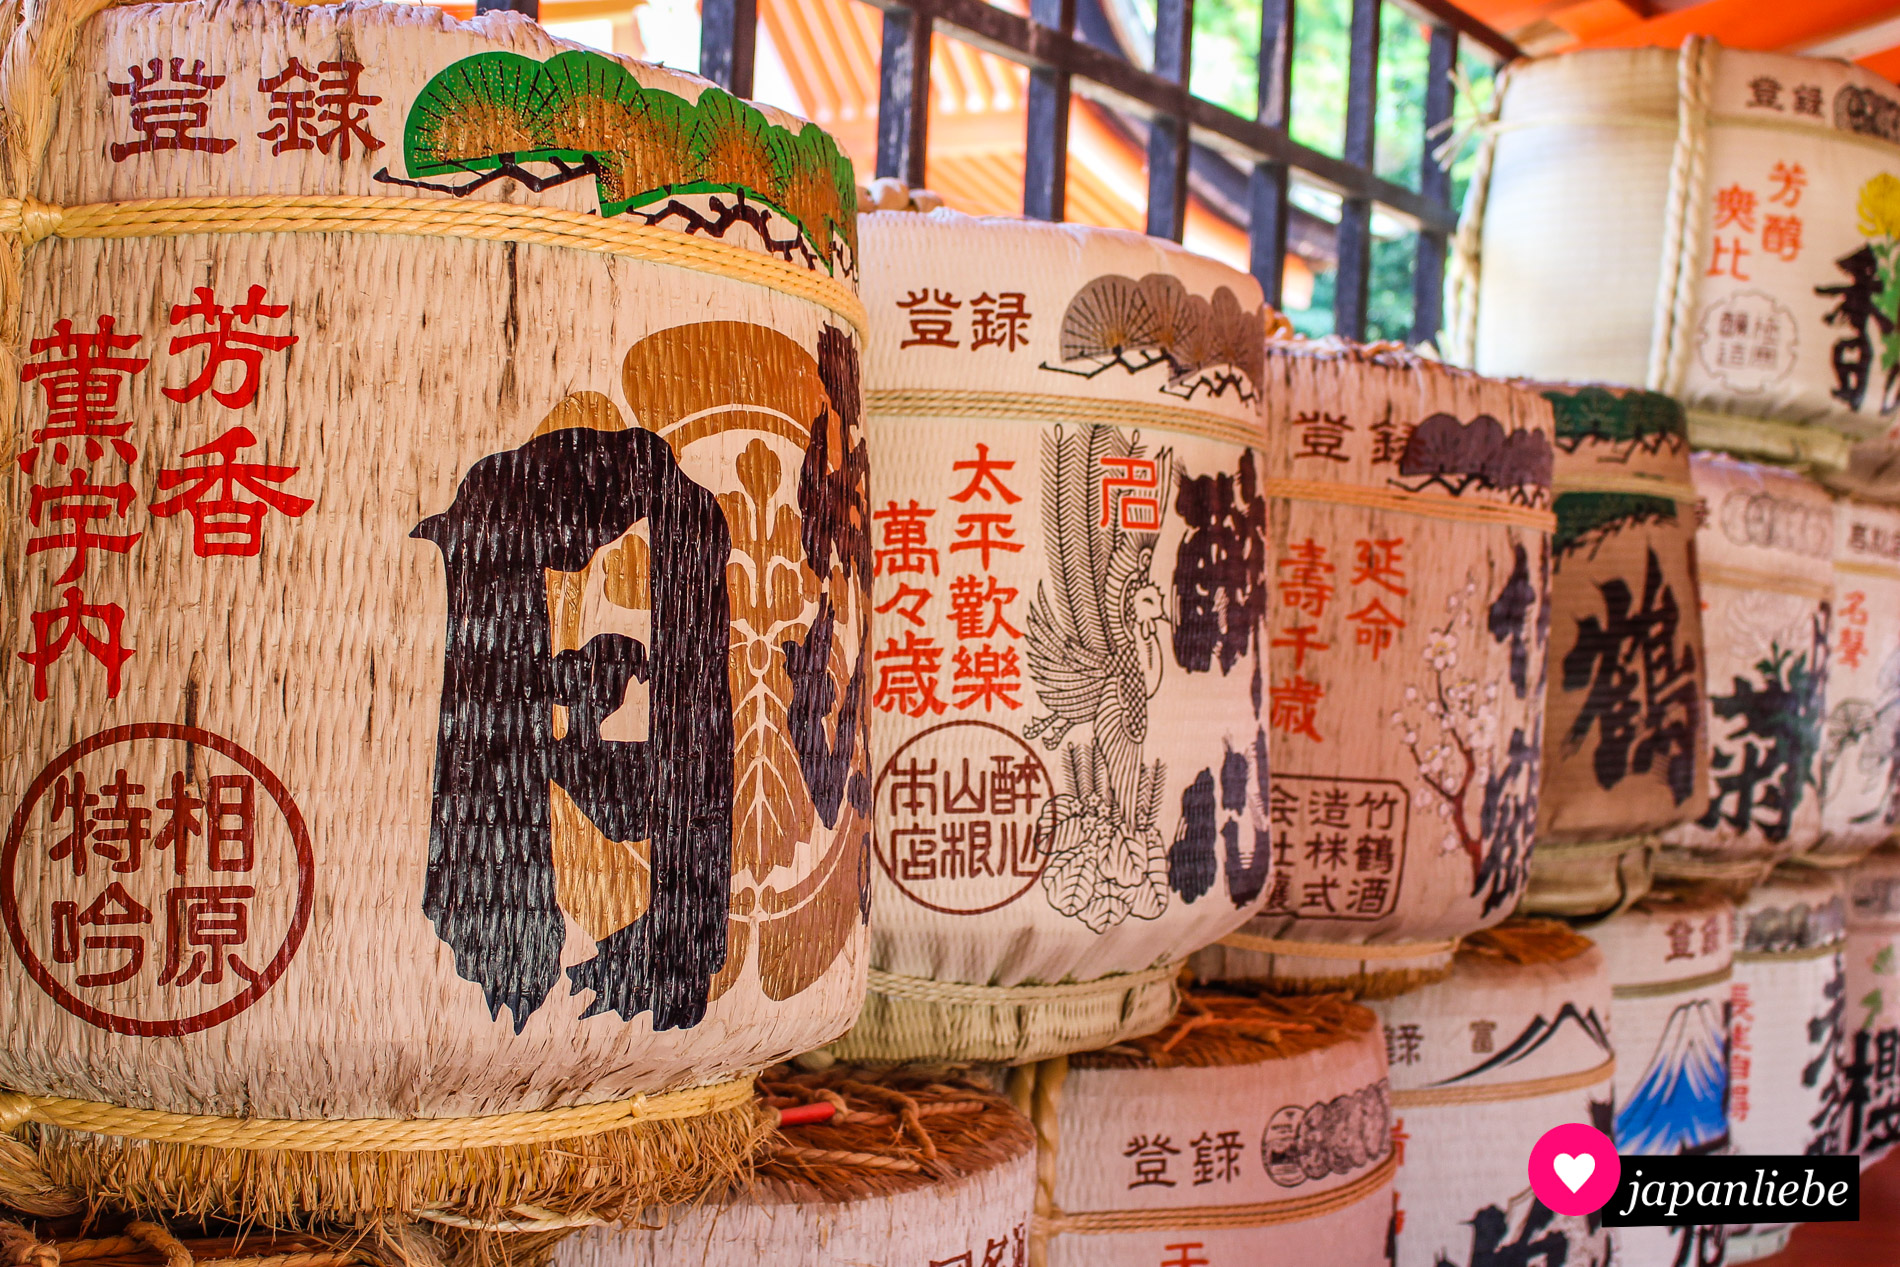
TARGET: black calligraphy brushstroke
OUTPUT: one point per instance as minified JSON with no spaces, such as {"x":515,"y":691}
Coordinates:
{"x":551,"y":504}
{"x":1859,"y":304}
{"x":1220,"y":591}
{"x":823,"y":763}
{"x":1191,"y":862}
{"x":1510,"y":613}
{"x":1245,"y":880}
{"x":1456,"y":456}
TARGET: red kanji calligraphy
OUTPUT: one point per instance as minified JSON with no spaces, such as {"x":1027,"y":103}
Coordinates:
{"x":1304,"y":582}
{"x":202,"y":924}
{"x":976,"y":607}
{"x":1735,"y":253}
{"x":998,"y":320}
{"x":1129,"y":499}
{"x":96,"y":627}
{"x":119,"y":824}
{"x":905,"y":543}
{"x":71,"y":799}
{"x":1853,"y":623}
{"x":329,"y":114}
{"x":1735,"y":206}
{"x":223,"y":345}
{"x":1789,"y":180}
{"x":81,"y":383}
{"x":1781,"y":236}
{"x":78,"y":504}
{"x":1301,"y":639}
{"x":185,"y":821}
{"x":907,"y":676}
{"x":1375,"y":626}
{"x":984,"y":478}
{"x":231,"y":822}
{"x":221,"y":524}
{"x":908,"y":602}
{"x":166,"y":117}
{"x":114,"y":908}
{"x":1376,"y":562}
{"x":1295,"y":707}
{"x":931,"y":318}
{"x":987,"y":675}
{"x":985,"y":533}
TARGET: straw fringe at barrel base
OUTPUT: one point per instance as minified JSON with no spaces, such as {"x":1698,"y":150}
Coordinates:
{"x":439,"y":775}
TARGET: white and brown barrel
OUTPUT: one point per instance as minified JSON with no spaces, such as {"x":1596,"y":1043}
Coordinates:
{"x":1671,"y":957}
{"x":1860,"y":801}
{"x":1411,"y":536}
{"x":1709,"y":222}
{"x":900,"y":1166}
{"x":1514,"y":1043}
{"x":1069,"y":537}
{"x":1626,"y":744}
{"x":1764,"y":561}
{"x":1788,"y":1030}
{"x":1247,"y":1130}
{"x":436,"y":596}
{"x":1872,"y":1039}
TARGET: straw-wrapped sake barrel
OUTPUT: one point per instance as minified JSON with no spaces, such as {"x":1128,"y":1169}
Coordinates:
{"x":1763,"y":558}
{"x":1068,"y":676}
{"x":1626,"y":746}
{"x":408,"y":587}
{"x":1411,"y":537}
{"x":1515,"y":1042}
{"x":1872,"y":1042}
{"x":912,"y":1167}
{"x":1788,"y":1028}
{"x":1859,"y":799}
{"x":1714,"y":223}
{"x":1248,"y":1130}
{"x":1671,"y":957}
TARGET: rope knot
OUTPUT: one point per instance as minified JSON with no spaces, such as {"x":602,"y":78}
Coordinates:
{"x":33,"y":220}
{"x":15,"y":1110}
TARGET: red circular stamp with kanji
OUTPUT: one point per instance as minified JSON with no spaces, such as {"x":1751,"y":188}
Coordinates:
{"x":156,"y":879}
{"x":958,"y":818}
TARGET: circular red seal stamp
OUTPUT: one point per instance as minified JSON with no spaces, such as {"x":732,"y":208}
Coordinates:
{"x":156,"y":879}
{"x":957,"y":818}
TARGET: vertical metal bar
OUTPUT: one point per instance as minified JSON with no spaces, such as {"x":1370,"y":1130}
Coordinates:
{"x":903,"y":99}
{"x":1046,"y":154}
{"x":1355,"y":215}
{"x":728,"y":39}
{"x":1267,"y":189}
{"x":530,"y":7}
{"x":1167,"y":136}
{"x":1434,"y":182}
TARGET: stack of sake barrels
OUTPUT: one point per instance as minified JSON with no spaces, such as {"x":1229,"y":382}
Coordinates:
{"x":472,"y":795}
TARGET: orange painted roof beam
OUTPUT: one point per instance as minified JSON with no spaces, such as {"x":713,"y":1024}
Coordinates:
{"x":1766,"y":25}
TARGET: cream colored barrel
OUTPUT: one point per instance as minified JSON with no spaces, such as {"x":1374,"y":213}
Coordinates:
{"x":1859,"y":797}
{"x":1788,"y":1010}
{"x":438,"y":597}
{"x":1069,"y":535}
{"x":1411,"y":540}
{"x":1247,"y":1131}
{"x":1671,"y":958}
{"x":1872,"y":1050}
{"x":1514,"y":1043}
{"x":1740,"y":211}
{"x":1626,"y":745}
{"x":915,"y":1169}
{"x":1763,"y":560}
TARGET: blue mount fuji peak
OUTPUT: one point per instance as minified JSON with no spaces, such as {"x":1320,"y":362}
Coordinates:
{"x":1679,"y":1104}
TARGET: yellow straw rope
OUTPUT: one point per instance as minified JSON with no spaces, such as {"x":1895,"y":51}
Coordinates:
{"x":895,"y":986}
{"x":1258,"y":1214}
{"x":1885,"y":571}
{"x":1815,"y":447}
{"x":1339,"y":950}
{"x":373,"y":1134}
{"x":1777,"y":582}
{"x":1434,"y":1097}
{"x":476,"y":220}
{"x":1039,"y":407}
{"x":1657,"y":989}
{"x":1674,"y":490}
{"x":1412,"y":503}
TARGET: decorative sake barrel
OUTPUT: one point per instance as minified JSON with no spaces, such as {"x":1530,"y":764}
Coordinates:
{"x":1411,"y":534}
{"x":1248,"y":1130}
{"x":1872,"y":1035}
{"x":1515,"y":1042}
{"x":1859,"y":799}
{"x":1762,"y":561}
{"x":1069,"y":682}
{"x":1788,"y":1030}
{"x":1671,"y":957}
{"x":1712,"y":223}
{"x":1625,"y":739}
{"x":436,"y":732}
{"x":902,"y":1167}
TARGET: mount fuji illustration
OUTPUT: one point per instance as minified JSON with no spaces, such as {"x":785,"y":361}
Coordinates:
{"x":1679,"y":1102}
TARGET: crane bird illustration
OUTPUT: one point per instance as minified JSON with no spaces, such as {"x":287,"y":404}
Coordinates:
{"x":1096,"y":649}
